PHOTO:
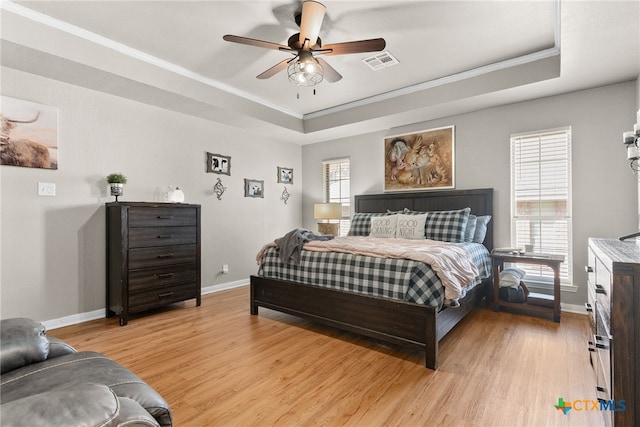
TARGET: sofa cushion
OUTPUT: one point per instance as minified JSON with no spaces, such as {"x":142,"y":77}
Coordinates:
{"x":86,"y":404}
{"x":80,"y":368}
{"x":22,"y":342}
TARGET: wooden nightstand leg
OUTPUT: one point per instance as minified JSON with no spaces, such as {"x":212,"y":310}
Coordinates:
{"x":496,"y":285}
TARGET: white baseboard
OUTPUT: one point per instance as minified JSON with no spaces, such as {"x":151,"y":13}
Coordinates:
{"x":74,"y":319}
{"x":224,"y":286}
{"x":572,"y":308}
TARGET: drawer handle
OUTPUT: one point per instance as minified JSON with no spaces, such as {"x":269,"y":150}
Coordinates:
{"x":168,"y":236}
{"x":165,"y":275}
{"x":600,"y":289}
{"x":600,"y":389}
{"x":588,"y":307}
{"x":166,"y":294}
{"x":588,"y":269}
{"x":599,"y":344}
{"x":590,"y":346}
{"x":165,"y":256}
{"x":165,"y":216}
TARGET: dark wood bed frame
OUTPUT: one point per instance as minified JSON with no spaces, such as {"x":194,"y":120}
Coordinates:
{"x":393,"y":321}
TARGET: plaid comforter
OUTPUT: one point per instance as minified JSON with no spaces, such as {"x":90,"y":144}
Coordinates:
{"x":403,"y":279}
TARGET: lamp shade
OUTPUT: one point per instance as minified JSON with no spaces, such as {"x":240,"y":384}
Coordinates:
{"x":327,"y":211}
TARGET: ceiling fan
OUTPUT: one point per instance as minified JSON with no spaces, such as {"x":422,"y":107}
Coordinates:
{"x":306,"y":68}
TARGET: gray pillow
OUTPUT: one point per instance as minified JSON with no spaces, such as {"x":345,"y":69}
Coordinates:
{"x":22,"y":342}
{"x":481,"y":228}
{"x":471,"y":228}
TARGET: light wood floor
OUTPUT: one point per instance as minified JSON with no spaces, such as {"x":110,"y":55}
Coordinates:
{"x":219,"y":366}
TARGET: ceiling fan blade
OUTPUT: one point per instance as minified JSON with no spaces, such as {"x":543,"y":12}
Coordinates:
{"x":371,"y":45}
{"x":275,"y":69}
{"x":254,"y":42}
{"x":311,"y":21}
{"x":330,"y":74}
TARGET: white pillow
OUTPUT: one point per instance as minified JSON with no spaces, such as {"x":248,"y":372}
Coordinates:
{"x":411,"y":226}
{"x":511,"y":277}
{"x":383,"y":226}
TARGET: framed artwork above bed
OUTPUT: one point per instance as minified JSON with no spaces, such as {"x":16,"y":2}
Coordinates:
{"x":423,"y":160}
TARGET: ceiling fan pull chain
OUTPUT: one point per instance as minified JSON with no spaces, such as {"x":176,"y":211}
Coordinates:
{"x":314,"y":91}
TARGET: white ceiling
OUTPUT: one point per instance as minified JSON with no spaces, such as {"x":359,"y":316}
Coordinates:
{"x":453,"y":56}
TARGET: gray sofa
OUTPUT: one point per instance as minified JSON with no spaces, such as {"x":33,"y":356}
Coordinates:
{"x":46,"y":382}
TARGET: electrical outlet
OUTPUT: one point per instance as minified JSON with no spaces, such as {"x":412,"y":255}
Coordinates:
{"x":46,"y":189}
{"x":225,"y":268}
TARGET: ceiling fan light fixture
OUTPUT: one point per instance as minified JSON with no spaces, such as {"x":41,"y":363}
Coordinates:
{"x":305,"y":70}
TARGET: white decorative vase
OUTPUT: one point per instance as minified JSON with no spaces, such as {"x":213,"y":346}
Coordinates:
{"x":176,"y":196}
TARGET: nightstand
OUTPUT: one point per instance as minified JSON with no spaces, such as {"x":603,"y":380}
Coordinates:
{"x":535,"y":302}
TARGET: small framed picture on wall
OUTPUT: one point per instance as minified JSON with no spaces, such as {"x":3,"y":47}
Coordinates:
{"x":253,"y":188}
{"x":285,"y":175}
{"x":217,"y":163}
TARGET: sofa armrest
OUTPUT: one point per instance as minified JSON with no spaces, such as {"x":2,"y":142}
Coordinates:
{"x":58,"y":348}
{"x":22,"y":342}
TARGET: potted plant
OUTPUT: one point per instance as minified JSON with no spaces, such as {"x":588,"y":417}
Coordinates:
{"x":116,"y":184}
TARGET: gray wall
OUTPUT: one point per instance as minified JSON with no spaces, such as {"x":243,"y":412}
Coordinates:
{"x":638,"y":92}
{"x":604,"y":189}
{"x":52,"y":248}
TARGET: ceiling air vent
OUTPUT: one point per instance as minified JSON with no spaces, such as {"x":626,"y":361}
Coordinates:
{"x":379,"y":61}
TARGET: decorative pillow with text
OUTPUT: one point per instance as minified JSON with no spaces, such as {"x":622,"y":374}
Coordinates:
{"x":383,"y":226}
{"x":410,"y":226}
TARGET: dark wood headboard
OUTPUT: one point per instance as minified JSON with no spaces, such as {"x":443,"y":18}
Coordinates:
{"x":480,"y":201}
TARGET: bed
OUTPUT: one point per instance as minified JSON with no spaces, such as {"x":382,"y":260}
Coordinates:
{"x":396,"y":321}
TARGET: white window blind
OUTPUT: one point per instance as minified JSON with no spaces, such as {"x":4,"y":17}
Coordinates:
{"x":541,"y":198}
{"x":337,"y":189}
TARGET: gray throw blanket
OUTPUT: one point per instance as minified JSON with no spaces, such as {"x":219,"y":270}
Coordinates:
{"x":290,"y":245}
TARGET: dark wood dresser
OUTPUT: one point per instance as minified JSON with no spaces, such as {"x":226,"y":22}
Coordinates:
{"x":613,"y":276}
{"x":153,"y":256}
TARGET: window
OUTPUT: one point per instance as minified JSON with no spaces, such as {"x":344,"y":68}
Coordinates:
{"x":541,"y":198}
{"x":336,"y":189}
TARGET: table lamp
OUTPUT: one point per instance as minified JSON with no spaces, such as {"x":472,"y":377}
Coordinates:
{"x":328,"y":212}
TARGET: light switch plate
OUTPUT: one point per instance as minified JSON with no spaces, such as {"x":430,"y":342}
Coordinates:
{"x":46,"y":189}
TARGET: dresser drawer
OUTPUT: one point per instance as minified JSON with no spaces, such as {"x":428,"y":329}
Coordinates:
{"x":162,"y":236}
{"x":603,"y":291}
{"x":154,"y":298}
{"x":602,"y":344}
{"x":163,"y":255}
{"x":162,"y":216}
{"x":148,"y":278}
{"x":591,"y":288}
